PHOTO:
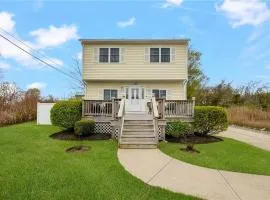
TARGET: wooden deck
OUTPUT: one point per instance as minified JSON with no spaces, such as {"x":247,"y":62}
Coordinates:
{"x":105,"y":110}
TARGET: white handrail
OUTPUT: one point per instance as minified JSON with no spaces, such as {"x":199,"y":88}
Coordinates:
{"x":122,"y":108}
{"x":155,"y":110}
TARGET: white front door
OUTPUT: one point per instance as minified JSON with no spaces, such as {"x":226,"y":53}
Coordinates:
{"x":135,"y":99}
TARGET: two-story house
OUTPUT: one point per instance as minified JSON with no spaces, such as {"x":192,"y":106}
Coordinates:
{"x":135,"y":70}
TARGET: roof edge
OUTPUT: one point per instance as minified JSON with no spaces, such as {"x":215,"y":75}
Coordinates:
{"x":141,"y":41}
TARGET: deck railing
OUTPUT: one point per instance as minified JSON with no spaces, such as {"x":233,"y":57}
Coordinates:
{"x":164,"y":108}
{"x":106,"y":108}
{"x":175,"y":108}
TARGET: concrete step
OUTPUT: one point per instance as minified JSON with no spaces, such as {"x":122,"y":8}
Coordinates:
{"x":137,"y":146}
{"x":138,"y":126}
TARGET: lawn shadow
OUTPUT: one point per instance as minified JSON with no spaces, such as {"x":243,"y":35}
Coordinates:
{"x":194,"y":139}
{"x":69,"y":135}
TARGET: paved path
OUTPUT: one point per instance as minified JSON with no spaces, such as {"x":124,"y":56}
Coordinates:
{"x":251,"y":137}
{"x":157,"y":169}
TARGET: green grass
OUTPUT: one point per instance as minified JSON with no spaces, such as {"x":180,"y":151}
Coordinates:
{"x":228,"y":155}
{"x":34,"y":166}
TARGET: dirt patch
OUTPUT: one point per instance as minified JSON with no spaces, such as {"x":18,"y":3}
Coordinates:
{"x":69,"y":135}
{"x":190,"y":148}
{"x":77,"y":149}
{"x":194,"y":139}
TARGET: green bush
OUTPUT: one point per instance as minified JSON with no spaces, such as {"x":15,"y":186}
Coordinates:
{"x":84,"y":127}
{"x":178,"y":129}
{"x":66,"y":113}
{"x":209,"y":119}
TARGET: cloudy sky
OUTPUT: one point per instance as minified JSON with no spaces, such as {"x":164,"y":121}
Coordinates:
{"x":233,"y":35}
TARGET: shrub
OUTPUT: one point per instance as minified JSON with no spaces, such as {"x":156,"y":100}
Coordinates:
{"x":178,"y":129}
{"x":84,"y":127}
{"x":66,"y":113}
{"x":209,"y":119}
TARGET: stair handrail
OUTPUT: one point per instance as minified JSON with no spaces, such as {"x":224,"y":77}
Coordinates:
{"x":120,"y":116}
{"x":121,"y":108}
{"x":154,"y":105}
{"x":155,"y":116}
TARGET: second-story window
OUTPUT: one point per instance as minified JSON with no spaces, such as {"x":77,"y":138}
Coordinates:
{"x":154,"y":54}
{"x":114,"y":55}
{"x":162,"y":55}
{"x":104,"y":55}
{"x":109,"y":55}
{"x":165,"y":55}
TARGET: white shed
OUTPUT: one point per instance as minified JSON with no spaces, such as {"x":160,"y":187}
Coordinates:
{"x":43,"y":113}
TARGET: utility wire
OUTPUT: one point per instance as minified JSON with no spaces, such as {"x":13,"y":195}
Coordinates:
{"x":39,"y":59}
{"x":28,"y":46}
{"x":38,"y":52}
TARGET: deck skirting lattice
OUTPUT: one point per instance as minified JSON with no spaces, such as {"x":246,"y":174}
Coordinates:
{"x":103,"y":128}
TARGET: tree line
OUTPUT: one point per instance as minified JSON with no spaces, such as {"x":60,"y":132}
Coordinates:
{"x":223,"y":93}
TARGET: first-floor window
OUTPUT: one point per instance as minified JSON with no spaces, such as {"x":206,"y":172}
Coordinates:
{"x":159,"y":93}
{"x":108,"y":94}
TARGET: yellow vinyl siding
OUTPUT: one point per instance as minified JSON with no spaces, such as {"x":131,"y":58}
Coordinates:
{"x":175,"y":89}
{"x":134,"y":66}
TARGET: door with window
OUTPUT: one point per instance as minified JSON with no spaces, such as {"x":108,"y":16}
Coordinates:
{"x":135,"y":99}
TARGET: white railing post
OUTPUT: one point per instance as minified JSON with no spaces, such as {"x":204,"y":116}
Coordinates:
{"x":193,"y":105}
{"x":120,"y":115}
{"x":121,"y":108}
{"x":155,"y":110}
{"x":113,"y":108}
{"x":155,"y":117}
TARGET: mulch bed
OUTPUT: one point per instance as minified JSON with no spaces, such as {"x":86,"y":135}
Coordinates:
{"x":69,"y":135}
{"x":77,"y":149}
{"x":194,"y":139}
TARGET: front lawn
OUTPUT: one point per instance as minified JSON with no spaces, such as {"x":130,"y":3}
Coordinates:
{"x":34,"y":166}
{"x":228,"y":155}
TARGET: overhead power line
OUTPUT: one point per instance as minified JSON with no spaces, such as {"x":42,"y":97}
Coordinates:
{"x":37,"y":58}
{"x":28,"y":46}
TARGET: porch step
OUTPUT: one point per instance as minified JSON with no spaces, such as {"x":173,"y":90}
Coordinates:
{"x":135,"y":126}
{"x":143,"y":135}
{"x":138,"y":140}
{"x":139,"y":129}
{"x":138,"y":122}
{"x":137,"y":146}
{"x":138,"y":132}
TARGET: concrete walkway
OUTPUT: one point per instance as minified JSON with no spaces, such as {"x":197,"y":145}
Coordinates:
{"x":157,"y":169}
{"x":251,"y":137}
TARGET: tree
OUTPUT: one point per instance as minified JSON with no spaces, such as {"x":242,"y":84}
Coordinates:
{"x":33,"y":92}
{"x":196,"y":77}
{"x":76,"y":73}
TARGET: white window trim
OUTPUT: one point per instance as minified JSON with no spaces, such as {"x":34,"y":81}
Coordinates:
{"x":109,"y":55}
{"x":160,"y":55}
{"x":159,"y":91}
{"x":110,"y":92}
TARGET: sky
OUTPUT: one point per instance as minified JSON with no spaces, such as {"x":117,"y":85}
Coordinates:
{"x":232,"y":35}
